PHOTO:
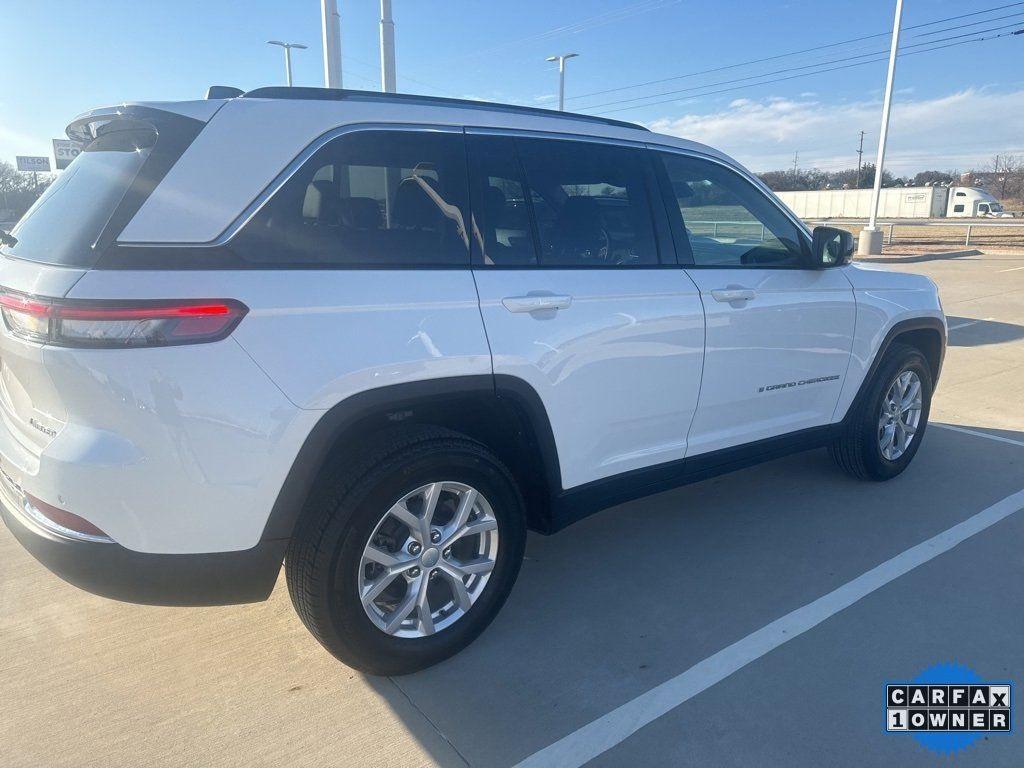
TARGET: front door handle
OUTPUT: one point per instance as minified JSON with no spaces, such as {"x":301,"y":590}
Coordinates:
{"x":730,"y":295}
{"x":536,"y":303}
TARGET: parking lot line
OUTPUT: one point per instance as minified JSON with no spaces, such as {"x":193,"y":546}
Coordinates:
{"x":966,"y":431}
{"x":600,"y":735}
{"x":966,"y":324}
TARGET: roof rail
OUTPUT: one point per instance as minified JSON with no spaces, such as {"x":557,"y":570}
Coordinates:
{"x":342,"y":94}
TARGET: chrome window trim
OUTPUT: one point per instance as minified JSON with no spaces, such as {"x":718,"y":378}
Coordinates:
{"x":285,"y":176}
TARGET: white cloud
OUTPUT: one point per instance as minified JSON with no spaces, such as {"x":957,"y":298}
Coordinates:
{"x":960,"y":130}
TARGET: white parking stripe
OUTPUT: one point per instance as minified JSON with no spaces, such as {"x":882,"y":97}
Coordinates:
{"x":1011,"y":269}
{"x":958,"y":326}
{"x":597,"y":737}
{"x":966,"y":431}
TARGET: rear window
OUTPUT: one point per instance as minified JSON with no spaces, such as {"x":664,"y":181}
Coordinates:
{"x":62,"y":225}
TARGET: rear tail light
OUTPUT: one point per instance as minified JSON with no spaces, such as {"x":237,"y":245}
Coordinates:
{"x":119,"y":324}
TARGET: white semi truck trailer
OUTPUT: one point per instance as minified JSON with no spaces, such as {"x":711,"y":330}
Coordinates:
{"x":895,"y":203}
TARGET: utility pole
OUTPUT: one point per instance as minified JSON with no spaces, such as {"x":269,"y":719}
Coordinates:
{"x":796,"y":158}
{"x":860,"y":158}
{"x":871,"y":237}
{"x":387,"y":48}
{"x":561,"y":76}
{"x":288,"y":57}
{"x":331,"y":26}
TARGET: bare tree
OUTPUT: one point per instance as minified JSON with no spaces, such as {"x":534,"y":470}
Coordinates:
{"x":1008,"y":174}
{"x":18,"y":191}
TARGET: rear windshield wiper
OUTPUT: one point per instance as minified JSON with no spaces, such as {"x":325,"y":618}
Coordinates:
{"x":6,"y":238}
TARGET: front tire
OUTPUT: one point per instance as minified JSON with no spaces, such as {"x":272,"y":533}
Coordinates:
{"x":884,"y":433}
{"x":402,"y":559}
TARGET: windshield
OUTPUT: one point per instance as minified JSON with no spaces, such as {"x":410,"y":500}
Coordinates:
{"x":995,"y":207}
{"x":62,"y":225}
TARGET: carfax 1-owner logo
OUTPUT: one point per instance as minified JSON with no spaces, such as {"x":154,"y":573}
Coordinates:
{"x":948,"y":707}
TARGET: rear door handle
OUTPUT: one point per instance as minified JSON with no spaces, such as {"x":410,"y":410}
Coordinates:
{"x":536,"y":303}
{"x":730,"y":295}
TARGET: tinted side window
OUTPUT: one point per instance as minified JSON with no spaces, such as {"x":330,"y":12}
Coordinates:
{"x":590,"y":202}
{"x":725,"y":219}
{"x":958,"y":209}
{"x":368,"y":198}
{"x":502,"y":232}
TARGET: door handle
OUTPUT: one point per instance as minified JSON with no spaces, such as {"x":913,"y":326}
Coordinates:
{"x":730,"y":295}
{"x":536,"y":303}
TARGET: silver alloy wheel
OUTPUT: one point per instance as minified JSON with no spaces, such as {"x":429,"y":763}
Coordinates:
{"x":428,"y":560}
{"x":900,"y":415}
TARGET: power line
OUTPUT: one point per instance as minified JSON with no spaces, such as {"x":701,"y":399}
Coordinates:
{"x":600,"y":19}
{"x":787,"y":69}
{"x":790,"y":77}
{"x":792,"y":53}
{"x":972,"y":24}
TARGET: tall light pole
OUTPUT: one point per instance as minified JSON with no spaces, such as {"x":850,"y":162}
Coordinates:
{"x":561,"y":76}
{"x":288,"y":56}
{"x":387,"y":48}
{"x":860,"y":158}
{"x":871,"y":237}
{"x":330,"y":23}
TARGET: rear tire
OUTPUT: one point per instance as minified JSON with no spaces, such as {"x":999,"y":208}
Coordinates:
{"x":329,"y":573}
{"x":864,"y":450}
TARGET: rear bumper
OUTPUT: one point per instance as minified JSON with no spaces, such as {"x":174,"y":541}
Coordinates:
{"x":110,"y":570}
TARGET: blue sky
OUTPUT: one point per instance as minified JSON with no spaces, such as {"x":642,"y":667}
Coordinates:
{"x":955,"y":107}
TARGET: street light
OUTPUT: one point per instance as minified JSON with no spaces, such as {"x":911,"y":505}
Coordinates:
{"x":561,"y":76}
{"x":870,"y":242}
{"x":288,"y":56}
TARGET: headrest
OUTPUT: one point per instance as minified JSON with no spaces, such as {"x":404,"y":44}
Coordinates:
{"x":494,"y":199}
{"x":360,"y":213}
{"x":321,"y":202}
{"x":413,"y":206}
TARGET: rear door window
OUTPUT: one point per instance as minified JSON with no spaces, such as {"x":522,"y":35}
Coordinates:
{"x":369,"y":198}
{"x":591,"y":203}
{"x":64,"y":223}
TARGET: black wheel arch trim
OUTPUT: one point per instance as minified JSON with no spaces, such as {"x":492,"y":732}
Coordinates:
{"x":897,"y":330}
{"x":331,"y":428}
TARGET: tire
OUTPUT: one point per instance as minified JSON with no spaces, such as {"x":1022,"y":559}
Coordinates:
{"x":326,"y":565}
{"x":858,"y":449}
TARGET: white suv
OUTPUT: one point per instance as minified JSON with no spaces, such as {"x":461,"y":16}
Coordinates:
{"x":379,"y":337}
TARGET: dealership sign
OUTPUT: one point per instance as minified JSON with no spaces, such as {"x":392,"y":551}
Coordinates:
{"x":64,"y":151}
{"x":32,"y":164}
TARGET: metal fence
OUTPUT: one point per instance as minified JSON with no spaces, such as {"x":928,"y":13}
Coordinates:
{"x":754,"y":230}
{"x":970,"y":227}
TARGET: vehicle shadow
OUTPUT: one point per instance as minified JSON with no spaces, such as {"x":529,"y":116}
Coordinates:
{"x":917,"y":258}
{"x":974,"y":332}
{"x":623,"y":601}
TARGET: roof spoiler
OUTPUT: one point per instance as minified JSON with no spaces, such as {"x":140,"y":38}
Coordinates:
{"x":223,"y":92}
